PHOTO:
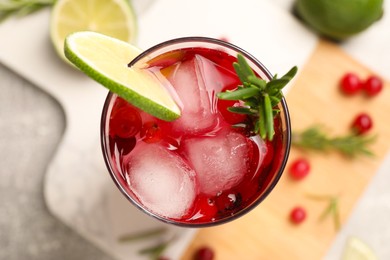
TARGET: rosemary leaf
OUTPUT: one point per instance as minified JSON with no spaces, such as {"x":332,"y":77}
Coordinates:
{"x":244,"y":67}
{"x":155,"y":251}
{"x":269,"y":117}
{"x":252,"y":103}
{"x":261,"y":123}
{"x":275,"y":111}
{"x":242,"y":110}
{"x":291,"y":73}
{"x":260,"y":83}
{"x":278,"y":84}
{"x":328,"y":210}
{"x":241,"y":74}
{"x":332,"y":209}
{"x":336,"y":215}
{"x":274,"y":100}
{"x":239,"y":94}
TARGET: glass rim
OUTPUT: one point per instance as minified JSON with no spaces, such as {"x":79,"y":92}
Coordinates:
{"x":202,"y":39}
{"x":286,"y":141}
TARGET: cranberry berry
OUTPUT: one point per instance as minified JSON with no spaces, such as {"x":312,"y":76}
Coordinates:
{"x":204,"y":253}
{"x":151,"y":132}
{"x":362,"y":124}
{"x":350,"y":84}
{"x":299,"y":168}
{"x":227,"y":201}
{"x":372,"y":86}
{"x":206,"y":208}
{"x":125,"y":122}
{"x":163,"y":258}
{"x":297,"y":215}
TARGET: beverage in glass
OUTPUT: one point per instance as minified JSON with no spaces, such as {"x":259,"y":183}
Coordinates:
{"x":207,"y":167}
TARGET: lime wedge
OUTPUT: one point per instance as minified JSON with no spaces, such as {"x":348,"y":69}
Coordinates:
{"x":105,"y":60}
{"x":356,"y":249}
{"x":115,"y":18}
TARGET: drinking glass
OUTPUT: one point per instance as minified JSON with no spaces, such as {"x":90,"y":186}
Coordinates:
{"x":204,"y":57}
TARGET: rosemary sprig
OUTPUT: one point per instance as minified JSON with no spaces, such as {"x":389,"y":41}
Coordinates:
{"x":155,"y":251}
{"x":315,"y":138}
{"x":258,"y":96}
{"x":331,"y":210}
{"x":21,"y":7}
{"x":143,"y":235}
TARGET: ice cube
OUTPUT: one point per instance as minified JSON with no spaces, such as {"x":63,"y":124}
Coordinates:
{"x":161,"y":180}
{"x":196,"y":82}
{"x":220,"y":162}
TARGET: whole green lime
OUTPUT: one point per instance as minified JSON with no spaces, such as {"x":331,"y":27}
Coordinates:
{"x":339,"y":19}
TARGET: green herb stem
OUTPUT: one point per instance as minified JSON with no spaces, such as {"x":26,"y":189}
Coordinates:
{"x":331,"y":210}
{"x":258,"y":96}
{"x":154,"y":252}
{"x":22,"y":7}
{"x":143,"y":235}
{"x":315,"y":138}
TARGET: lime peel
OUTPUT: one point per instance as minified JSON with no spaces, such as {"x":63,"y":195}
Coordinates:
{"x":356,"y":249}
{"x":339,"y":19}
{"x":105,"y":60}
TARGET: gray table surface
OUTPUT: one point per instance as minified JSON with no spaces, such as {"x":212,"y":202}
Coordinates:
{"x":31,"y":126}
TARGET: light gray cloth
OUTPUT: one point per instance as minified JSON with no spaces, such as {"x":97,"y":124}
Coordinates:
{"x":31,"y":126}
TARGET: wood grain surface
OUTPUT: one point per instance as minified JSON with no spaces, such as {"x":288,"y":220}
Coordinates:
{"x":265,"y":232}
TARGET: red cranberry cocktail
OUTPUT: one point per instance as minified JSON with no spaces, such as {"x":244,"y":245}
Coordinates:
{"x":201,"y":169}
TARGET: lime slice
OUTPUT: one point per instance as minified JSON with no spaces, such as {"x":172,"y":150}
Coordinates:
{"x":105,"y":59}
{"x":356,"y":249}
{"x":115,"y":18}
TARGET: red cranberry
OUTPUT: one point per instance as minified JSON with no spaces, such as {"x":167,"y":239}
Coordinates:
{"x":122,"y":145}
{"x":297,"y":215}
{"x":206,"y":208}
{"x":350,"y":84}
{"x":125,"y":122}
{"x":373,"y":85}
{"x":362,"y":123}
{"x":204,"y":253}
{"x":120,"y":102}
{"x":151,"y":132}
{"x":227,"y":201}
{"x":299,"y":168}
{"x":224,"y":38}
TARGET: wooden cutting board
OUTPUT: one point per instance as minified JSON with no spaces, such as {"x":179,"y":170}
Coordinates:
{"x":266,"y":233}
